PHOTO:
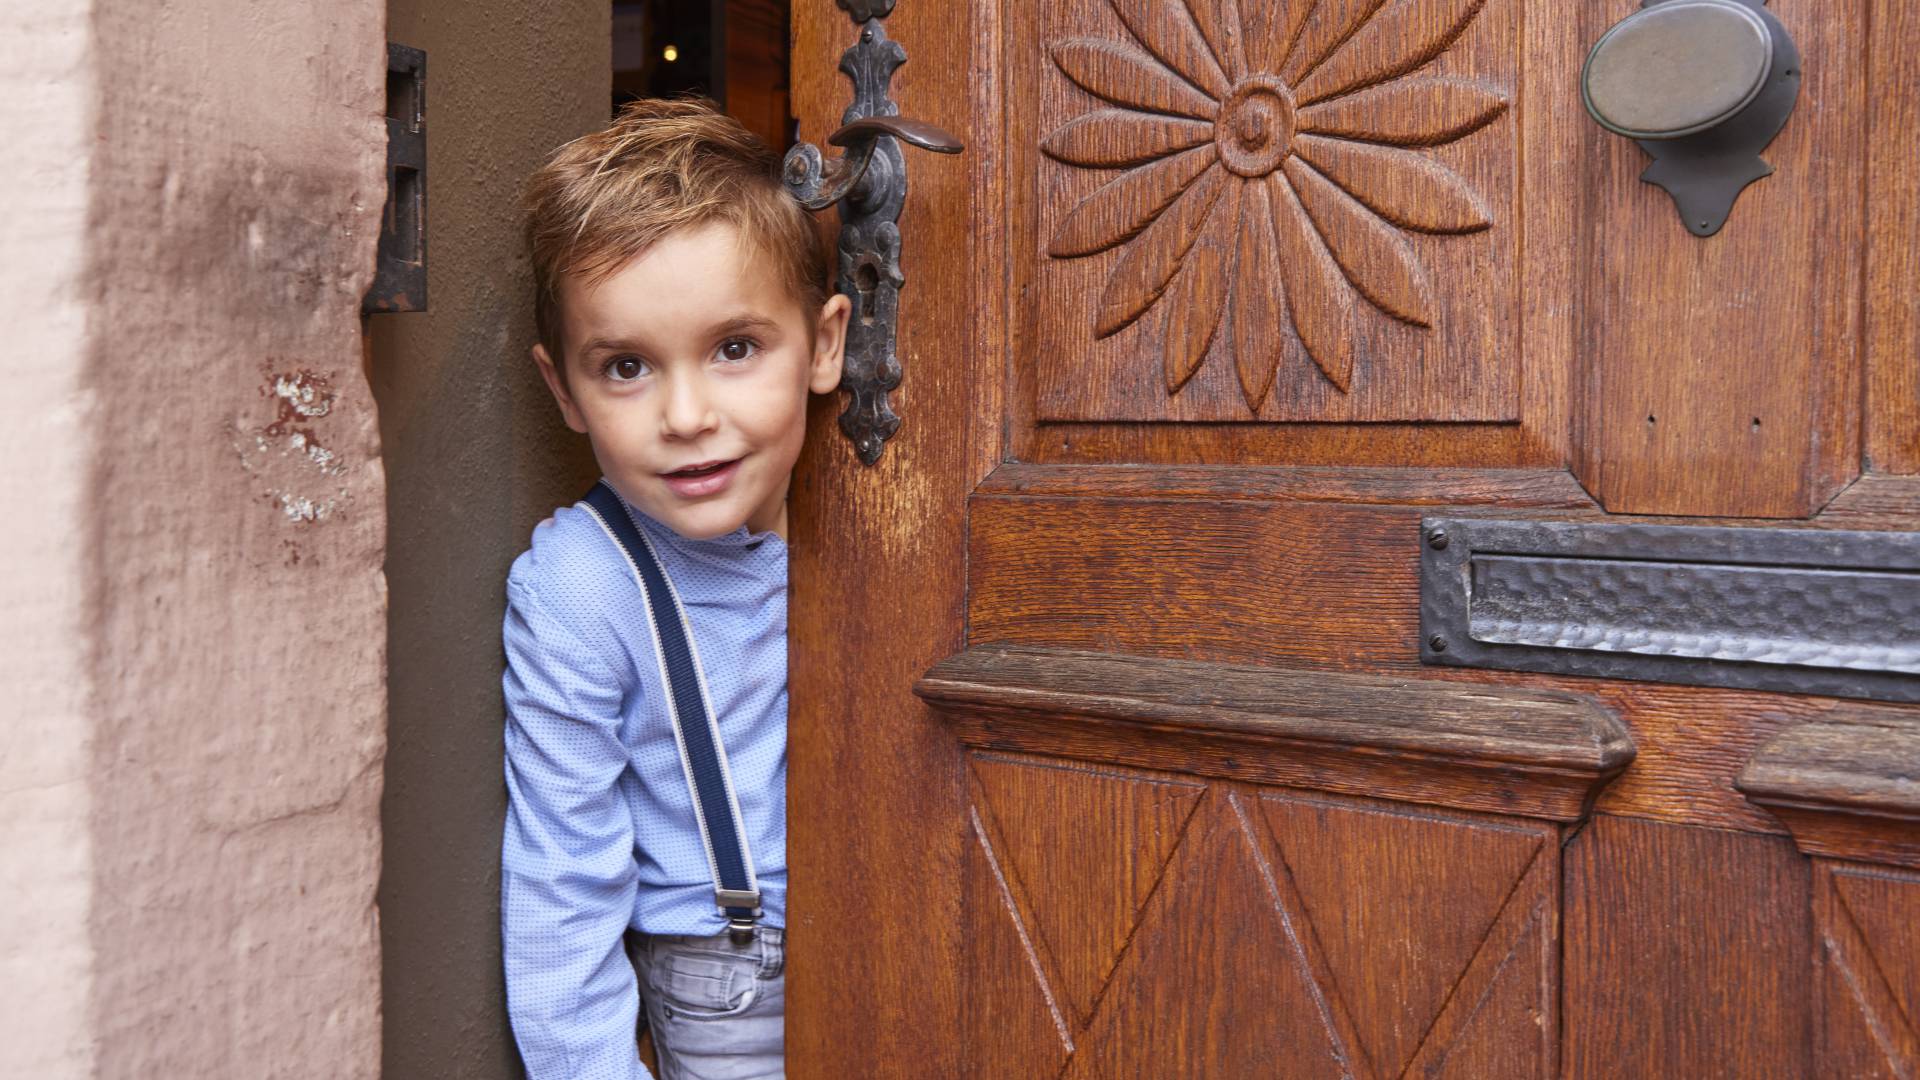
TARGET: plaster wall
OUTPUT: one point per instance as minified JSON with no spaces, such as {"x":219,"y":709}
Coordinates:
{"x":195,"y":661}
{"x":476,"y":457}
{"x":45,"y":795}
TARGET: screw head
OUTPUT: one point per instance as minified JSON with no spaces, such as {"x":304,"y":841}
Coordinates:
{"x":1437,"y":539}
{"x":1437,"y":643}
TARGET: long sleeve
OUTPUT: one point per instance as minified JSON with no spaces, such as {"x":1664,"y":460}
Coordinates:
{"x":568,"y":874}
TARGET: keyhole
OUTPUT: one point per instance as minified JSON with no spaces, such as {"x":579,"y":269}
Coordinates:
{"x":866,"y":279}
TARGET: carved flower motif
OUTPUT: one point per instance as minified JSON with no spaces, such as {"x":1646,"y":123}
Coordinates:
{"x":1267,"y":148}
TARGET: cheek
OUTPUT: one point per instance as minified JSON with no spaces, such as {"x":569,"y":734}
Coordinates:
{"x":775,"y":412}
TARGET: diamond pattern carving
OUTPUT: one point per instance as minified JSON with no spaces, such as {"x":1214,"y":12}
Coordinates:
{"x":1887,"y":911}
{"x":1030,"y":1035}
{"x":1213,"y":986}
{"x":1867,"y":923}
{"x":1129,"y":924}
{"x":1371,"y":882}
{"x":1485,"y":1045}
{"x":1082,"y":850}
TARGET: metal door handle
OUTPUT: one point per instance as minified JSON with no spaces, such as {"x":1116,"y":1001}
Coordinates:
{"x":1703,"y":86}
{"x":818,"y":183}
{"x":869,"y":181}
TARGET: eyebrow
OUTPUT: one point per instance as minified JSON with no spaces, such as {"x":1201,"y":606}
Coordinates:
{"x":742,"y":323}
{"x":738,"y":324}
{"x":593,"y":345}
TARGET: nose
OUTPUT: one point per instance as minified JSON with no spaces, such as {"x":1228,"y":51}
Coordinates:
{"x":688,"y":409}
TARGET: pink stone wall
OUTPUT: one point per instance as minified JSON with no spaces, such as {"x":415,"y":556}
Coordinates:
{"x":190,"y":792}
{"x":46,"y":792}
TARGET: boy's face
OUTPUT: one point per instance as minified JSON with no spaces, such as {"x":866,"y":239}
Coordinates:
{"x":688,"y":368}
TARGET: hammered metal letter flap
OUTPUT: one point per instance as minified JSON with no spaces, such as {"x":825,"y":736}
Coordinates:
{"x":1804,"y":610}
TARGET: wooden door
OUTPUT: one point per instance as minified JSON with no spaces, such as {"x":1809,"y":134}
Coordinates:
{"x":1223,"y":299}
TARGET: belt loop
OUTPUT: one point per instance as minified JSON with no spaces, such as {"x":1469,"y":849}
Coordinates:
{"x":773,"y":953}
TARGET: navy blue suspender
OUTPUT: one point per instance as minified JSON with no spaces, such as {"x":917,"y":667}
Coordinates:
{"x":695,"y":729}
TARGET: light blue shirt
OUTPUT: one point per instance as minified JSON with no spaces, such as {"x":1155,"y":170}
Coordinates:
{"x":600,"y":832}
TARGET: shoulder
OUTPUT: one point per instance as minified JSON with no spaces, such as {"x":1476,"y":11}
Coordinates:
{"x":573,"y":573}
{"x":566,"y":552}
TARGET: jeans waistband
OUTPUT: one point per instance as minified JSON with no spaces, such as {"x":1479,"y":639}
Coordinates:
{"x":768,"y":945}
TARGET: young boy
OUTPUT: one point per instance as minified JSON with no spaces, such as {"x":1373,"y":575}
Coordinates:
{"x":683,"y":320}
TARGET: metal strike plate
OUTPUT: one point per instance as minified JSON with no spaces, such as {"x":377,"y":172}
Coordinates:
{"x":1809,"y":611}
{"x":1703,"y":86}
{"x":869,"y":182}
{"x":400,"y":273}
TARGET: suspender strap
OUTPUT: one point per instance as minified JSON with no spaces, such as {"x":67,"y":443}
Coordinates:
{"x":702,"y":755}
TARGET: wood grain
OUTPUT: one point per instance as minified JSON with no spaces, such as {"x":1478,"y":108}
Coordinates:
{"x":1369,"y":880}
{"x":1434,"y":347}
{"x":1081,"y":850}
{"x":1503,"y":1016}
{"x":892,"y":1007}
{"x":1721,"y":376}
{"x":1029,"y":1028}
{"x":1255,"y":275}
{"x":1372,"y":255}
{"x":1845,"y":786}
{"x":1426,"y":111}
{"x":1197,"y":301}
{"x":1311,"y":913}
{"x":1214,"y":983}
{"x":1541,"y":754}
{"x":1318,"y":586}
{"x":1518,"y":489}
{"x":1551,"y":127}
{"x":1686,"y":954}
{"x":1893,"y":241}
{"x":1133,"y":508}
{"x":1875,"y":502}
{"x":1867,"y":926}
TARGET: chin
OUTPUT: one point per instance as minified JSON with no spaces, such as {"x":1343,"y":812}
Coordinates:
{"x":699,"y":527}
{"x":704,"y":524}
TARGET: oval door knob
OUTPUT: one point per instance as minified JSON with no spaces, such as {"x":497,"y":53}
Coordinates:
{"x":1677,"y":68}
{"x":1703,"y":86}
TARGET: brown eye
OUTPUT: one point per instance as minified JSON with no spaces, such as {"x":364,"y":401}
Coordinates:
{"x":737,"y":349}
{"x":626,"y":368}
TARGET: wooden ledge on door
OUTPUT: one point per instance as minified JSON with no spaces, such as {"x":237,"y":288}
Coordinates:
{"x":1531,"y":753}
{"x":1848,"y":786}
{"x":1550,"y":489}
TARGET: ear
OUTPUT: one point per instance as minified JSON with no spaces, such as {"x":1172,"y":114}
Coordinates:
{"x":558,"y":387}
{"x":829,"y":344}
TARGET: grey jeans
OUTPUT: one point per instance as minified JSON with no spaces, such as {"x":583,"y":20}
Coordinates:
{"x":717,"y":1009}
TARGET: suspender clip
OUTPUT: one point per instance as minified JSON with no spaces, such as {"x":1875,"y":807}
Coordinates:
{"x":736,"y":900}
{"x":741,"y":931}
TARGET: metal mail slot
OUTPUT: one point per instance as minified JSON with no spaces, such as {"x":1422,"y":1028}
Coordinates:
{"x":1810,"y":611}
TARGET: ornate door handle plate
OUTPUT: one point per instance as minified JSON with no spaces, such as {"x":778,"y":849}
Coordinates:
{"x":869,"y":181}
{"x":1703,"y":86}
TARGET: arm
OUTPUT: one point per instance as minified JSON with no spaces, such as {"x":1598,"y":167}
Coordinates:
{"x":567,"y":869}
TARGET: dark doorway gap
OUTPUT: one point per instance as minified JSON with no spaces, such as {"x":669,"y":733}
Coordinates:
{"x":733,"y":51}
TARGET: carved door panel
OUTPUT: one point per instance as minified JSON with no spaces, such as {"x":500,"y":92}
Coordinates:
{"x":1114,"y":752}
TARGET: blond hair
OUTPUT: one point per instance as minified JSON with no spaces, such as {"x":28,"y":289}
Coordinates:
{"x":663,"y":165}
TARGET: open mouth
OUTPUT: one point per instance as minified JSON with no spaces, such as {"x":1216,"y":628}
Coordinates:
{"x":707,"y":468}
{"x":706,"y":478}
